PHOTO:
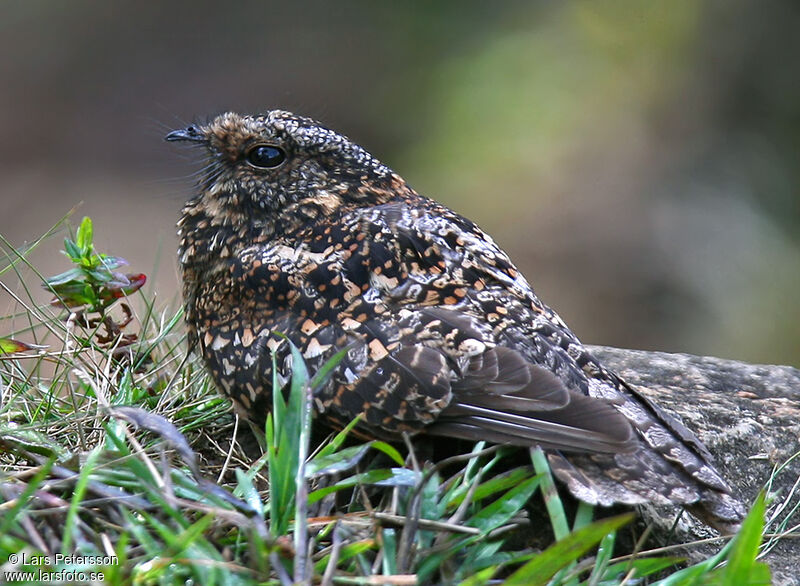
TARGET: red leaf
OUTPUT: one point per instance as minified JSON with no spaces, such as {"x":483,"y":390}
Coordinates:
{"x":10,"y":346}
{"x":135,"y":282}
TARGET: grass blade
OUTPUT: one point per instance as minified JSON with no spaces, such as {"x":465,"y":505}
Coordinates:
{"x":565,"y":551}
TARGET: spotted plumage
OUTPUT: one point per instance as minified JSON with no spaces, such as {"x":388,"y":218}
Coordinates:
{"x":297,"y":230}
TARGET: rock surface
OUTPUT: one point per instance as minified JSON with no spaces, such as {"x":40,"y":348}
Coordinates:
{"x":748,"y":416}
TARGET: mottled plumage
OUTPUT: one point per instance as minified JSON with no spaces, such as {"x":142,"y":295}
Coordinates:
{"x":298,"y":230}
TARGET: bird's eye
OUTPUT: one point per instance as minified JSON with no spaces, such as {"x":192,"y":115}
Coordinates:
{"x":265,"y":156}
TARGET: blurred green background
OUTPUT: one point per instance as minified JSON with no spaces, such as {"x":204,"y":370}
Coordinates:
{"x":640,"y":161}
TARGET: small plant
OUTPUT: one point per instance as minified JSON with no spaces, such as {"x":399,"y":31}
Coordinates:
{"x":94,"y":285}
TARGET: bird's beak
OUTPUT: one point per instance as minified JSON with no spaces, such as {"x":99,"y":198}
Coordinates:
{"x":190,"y":133}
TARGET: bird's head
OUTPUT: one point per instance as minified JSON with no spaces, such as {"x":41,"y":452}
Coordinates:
{"x":270,"y":161}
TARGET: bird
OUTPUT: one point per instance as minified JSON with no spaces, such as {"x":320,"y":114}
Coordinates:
{"x":296,"y":233}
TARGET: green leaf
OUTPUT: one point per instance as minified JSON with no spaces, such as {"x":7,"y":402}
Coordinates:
{"x":483,"y":554}
{"x":389,"y":552}
{"x":100,"y":276}
{"x":562,"y":553}
{"x":322,"y":375}
{"x":245,"y":486}
{"x":338,"y":461}
{"x":15,"y":439}
{"x":85,"y":236}
{"x":72,"y":250}
{"x":493,"y":486}
{"x":74,"y":293}
{"x":10,"y":346}
{"x":110,"y":262}
{"x":500,"y":511}
{"x":337,"y":440}
{"x":583,"y":516}
{"x":760,"y":574}
{"x":75,"y":274}
{"x":743,"y":561}
{"x":389,"y":451}
{"x":288,"y":434}
{"x":347,"y":552}
{"x":382,"y":477}
{"x":742,"y":567}
{"x":694,"y":574}
{"x":479,"y":578}
{"x":278,"y":404}
{"x":604,"y":553}
{"x":555,"y":508}
{"x":430,"y":506}
{"x":643,"y":567}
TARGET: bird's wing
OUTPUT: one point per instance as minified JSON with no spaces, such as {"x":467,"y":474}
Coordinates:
{"x":500,"y":395}
{"x":434,"y":372}
{"x":423,"y":361}
{"x":433,"y":259}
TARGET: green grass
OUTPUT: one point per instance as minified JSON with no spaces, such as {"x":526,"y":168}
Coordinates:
{"x":116,"y":449}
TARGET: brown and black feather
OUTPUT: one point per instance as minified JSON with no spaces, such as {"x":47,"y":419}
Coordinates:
{"x":445,"y":336}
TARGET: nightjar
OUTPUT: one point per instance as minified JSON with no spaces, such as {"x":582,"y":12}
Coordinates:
{"x":298,"y":230}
